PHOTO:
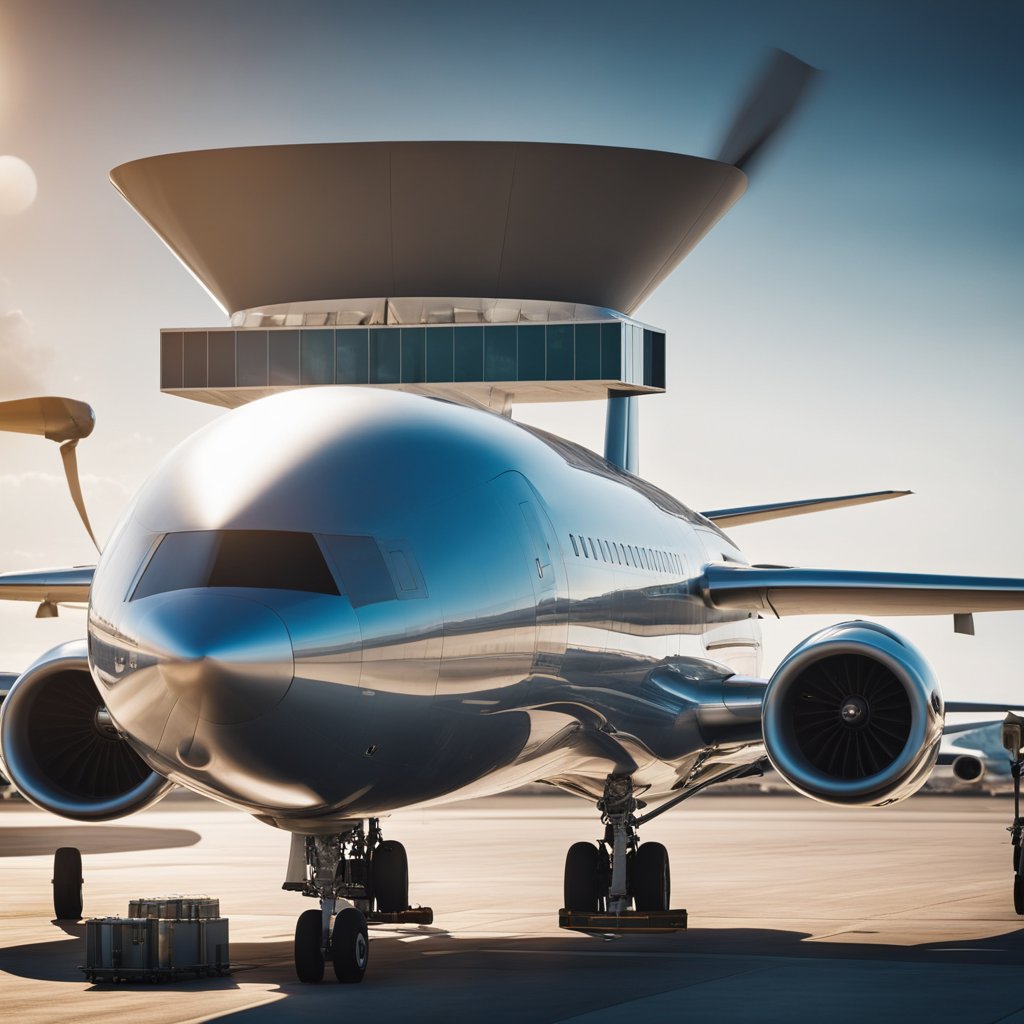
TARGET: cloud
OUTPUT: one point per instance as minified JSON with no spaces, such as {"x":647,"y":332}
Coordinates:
{"x":23,"y":363}
{"x":15,"y":481}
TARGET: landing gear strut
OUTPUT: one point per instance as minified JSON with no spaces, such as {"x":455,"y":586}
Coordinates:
{"x":1013,"y":740}
{"x":359,"y":879}
{"x":603,"y":881}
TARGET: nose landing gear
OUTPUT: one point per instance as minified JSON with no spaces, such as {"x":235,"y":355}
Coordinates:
{"x":359,"y":879}
{"x":603,"y":880}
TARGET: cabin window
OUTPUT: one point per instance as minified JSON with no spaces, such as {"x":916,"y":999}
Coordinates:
{"x":575,"y":549}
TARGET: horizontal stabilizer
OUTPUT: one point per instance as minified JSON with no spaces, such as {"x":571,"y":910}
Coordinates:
{"x":56,"y":586}
{"x":729,"y":517}
{"x":784,"y":591}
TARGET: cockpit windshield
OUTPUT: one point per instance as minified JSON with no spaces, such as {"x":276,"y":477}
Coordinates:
{"x":271,"y":559}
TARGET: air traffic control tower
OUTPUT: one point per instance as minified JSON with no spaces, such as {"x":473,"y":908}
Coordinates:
{"x":488,"y":272}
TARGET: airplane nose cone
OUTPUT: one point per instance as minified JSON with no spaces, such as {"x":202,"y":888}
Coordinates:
{"x":228,"y":659}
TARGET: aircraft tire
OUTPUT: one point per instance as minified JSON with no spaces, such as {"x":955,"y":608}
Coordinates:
{"x":67,"y":884}
{"x":390,"y":872}
{"x":309,"y":956}
{"x":581,"y":890}
{"x":651,"y":880}
{"x":1018,"y":894}
{"x":1016,"y":858}
{"x":350,"y":947}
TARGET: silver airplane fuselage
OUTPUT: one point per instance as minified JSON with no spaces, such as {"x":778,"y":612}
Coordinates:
{"x":336,"y":602}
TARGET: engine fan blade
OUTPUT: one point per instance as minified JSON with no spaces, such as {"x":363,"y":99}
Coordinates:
{"x":776,"y":94}
{"x":63,"y":420}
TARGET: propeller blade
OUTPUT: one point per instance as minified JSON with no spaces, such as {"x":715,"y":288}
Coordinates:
{"x":64,"y":420}
{"x":776,"y":94}
{"x":70,"y":460}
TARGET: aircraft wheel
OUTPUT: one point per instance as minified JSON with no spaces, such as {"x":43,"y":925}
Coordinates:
{"x":582,"y":869}
{"x":350,"y":947}
{"x":67,"y":884}
{"x":390,"y":873}
{"x":651,"y":882}
{"x":1018,"y":894}
{"x":1016,"y":858}
{"x":309,"y":954}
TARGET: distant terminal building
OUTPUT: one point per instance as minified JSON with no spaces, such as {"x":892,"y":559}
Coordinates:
{"x":489,"y":272}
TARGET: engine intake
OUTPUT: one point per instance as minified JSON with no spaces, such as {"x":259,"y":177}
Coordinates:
{"x":61,"y":749}
{"x":968,"y":768}
{"x":853,"y":716}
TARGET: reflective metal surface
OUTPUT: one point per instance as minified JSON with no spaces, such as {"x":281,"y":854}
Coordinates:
{"x":55,"y":585}
{"x":897,"y":697}
{"x":779,"y":590}
{"x":337,"y":602}
{"x":60,"y":747}
{"x":528,"y":596}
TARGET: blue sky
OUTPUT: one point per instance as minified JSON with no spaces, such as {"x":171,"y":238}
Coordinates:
{"x":853,"y":323}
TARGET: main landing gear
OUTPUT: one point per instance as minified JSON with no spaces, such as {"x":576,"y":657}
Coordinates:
{"x":619,"y":884}
{"x":1013,"y":740}
{"x":359,"y":879}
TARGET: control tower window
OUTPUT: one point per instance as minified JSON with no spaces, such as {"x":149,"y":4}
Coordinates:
{"x":267,"y":559}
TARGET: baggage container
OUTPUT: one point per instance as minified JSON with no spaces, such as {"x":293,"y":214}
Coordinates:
{"x":175,"y":908}
{"x":149,"y":949}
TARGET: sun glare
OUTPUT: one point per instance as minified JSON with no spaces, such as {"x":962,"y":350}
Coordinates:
{"x":17,"y":185}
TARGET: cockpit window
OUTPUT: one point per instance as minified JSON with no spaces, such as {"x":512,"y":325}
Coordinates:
{"x":271,"y":559}
{"x":361,"y":568}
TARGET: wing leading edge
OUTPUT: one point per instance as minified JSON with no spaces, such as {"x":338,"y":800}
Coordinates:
{"x":785,"y":591}
{"x":55,"y":586}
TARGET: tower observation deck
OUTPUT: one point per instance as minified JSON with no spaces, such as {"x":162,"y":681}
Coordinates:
{"x":490,"y":272}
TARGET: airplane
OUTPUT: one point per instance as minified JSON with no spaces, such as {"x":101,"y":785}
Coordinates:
{"x":338,"y":601}
{"x":974,"y":754}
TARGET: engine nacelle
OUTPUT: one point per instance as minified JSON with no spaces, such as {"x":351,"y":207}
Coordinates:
{"x":968,"y":768}
{"x":853,"y":716}
{"x":60,"y":748}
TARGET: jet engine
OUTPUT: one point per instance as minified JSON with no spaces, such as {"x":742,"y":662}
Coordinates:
{"x":853,"y":716}
{"x":62,"y":751}
{"x":968,"y":768}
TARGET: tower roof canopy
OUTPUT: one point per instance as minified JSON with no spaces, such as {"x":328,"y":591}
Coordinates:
{"x":301,"y":223}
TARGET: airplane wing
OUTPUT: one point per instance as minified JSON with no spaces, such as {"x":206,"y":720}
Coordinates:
{"x":780,"y":591}
{"x":955,"y":707}
{"x":730,"y":517}
{"x":56,"y":586}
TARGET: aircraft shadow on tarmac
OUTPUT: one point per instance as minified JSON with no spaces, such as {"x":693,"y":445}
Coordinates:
{"x":32,"y":842}
{"x":582,"y":963}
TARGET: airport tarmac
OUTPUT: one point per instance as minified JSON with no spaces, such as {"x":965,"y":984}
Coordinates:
{"x":798,"y":912}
